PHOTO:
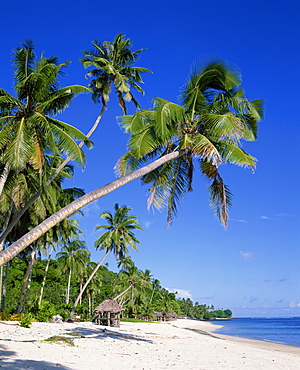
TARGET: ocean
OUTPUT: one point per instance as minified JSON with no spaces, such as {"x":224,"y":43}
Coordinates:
{"x":277,"y":330}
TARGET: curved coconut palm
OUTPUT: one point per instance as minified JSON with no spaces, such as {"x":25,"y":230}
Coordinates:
{"x":118,"y":237}
{"x":208,"y":128}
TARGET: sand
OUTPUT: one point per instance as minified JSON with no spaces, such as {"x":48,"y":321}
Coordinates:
{"x":138,"y":346}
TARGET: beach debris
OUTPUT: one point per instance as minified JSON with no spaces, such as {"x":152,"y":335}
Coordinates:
{"x":6,"y":323}
{"x":56,"y":319}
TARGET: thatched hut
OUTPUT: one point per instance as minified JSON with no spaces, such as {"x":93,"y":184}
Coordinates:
{"x":108,"y":313}
{"x":170,"y":316}
{"x":158,"y":315}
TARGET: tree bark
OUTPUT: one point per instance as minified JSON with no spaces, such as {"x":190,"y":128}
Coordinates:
{"x":32,"y":261}
{"x":5,"y":288}
{"x":68,"y":288}
{"x":15,"y":248}
{"x":7,"y":218}
{"x":45,"y":276}
{"x":126,"y":290}
{"x":85,"y":285}
{"x":4,"y":176}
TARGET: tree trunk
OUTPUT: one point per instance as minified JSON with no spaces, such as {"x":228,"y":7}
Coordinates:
{"x":8,"y":229}
{"x":32,"y":261}
{"x":68,"y":288}
{"x":85,"y":285}
{"x":5,"y":288}
{"x":45,"y":276}
{"x":7,"y":218}
{"x":4,"y":176}
{"x":23,"y":288}
{"x":126,"y":290}
{"x":17,"y":247}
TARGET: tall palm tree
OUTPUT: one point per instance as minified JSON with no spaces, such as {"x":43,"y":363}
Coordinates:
{"x":112,"y":64}
{"x":28,"y":125}
{"x":214,"y":118}
{"x":117,"y":238}
{"x":72,"y":259}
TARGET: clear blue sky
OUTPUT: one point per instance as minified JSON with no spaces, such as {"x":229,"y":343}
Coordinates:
{"x":253,"y":267}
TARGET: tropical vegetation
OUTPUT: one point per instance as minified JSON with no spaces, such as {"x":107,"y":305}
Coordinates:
{"x":144,"y":297}
{"x":166,"y":145}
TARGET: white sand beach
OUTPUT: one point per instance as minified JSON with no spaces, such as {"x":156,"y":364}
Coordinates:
{"x":138,"y":346}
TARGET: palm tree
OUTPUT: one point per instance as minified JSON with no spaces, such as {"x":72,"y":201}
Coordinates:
{"x":112,"y":65}
{"x":72,"y":258}
{"x":28,"y":126}
{"x":118,"y":237}
{"x":214,"y":117}
{"x":138,"y":282}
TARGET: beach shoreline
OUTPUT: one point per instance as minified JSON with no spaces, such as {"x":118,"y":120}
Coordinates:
{"x":180,"y":344}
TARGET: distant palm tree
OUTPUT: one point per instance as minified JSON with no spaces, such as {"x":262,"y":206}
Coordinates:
{"x":118,"y":237}
{"x":72,"y":259}
{"x":208,"y":128}
{"x":112,"y":65}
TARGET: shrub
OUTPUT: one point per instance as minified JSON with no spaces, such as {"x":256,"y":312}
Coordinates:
{"x":46,"y":311}
{"x":25,"y":322}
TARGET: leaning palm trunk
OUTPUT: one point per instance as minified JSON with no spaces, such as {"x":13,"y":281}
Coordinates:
{"x":85,"y":285}
{"x":8,"y":229}
{"x":3,"y":177}
{"x":15,"y":248}
{"x":45,"y":276}
{"x":126,"y":290}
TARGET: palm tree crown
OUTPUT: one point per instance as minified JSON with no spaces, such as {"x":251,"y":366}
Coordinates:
{"x":28,"y":126}
{"x":112,"y":66}
{"x":119,"y":234}
{"x":209,"y":125}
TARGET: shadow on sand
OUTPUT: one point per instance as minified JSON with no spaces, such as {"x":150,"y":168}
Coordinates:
{"x":103,"y":332}
{"x":14,"y":363}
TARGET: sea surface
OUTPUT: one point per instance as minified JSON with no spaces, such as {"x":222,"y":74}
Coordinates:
{"x":277,"y":330}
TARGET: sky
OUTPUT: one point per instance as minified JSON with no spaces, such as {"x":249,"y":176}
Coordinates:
{"x":252,"y":267}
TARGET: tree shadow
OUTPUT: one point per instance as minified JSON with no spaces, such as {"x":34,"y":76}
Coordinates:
{"x":15,"y":363}
{"x":100,"y":332}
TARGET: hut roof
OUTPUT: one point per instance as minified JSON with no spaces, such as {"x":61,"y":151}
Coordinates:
{"x":109,"y":305}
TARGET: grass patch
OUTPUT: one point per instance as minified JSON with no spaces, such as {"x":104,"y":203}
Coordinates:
{"x":60,"y":340}
{"x":137,"y":320}
{"x":75,"y":334}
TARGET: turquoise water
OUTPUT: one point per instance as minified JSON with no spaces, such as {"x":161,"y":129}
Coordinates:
{"x":276,"y":330}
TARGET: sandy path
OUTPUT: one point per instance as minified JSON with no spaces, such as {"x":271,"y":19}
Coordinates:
{"x":138,"y":346}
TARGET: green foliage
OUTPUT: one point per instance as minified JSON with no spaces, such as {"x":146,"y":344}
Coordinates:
{"x":25,"y":322}
{"x":46,"y":311}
